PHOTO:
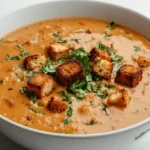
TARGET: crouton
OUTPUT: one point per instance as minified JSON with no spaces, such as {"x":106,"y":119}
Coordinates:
{"x":56,"y":105}
{"x":119,"y":98}
{"x":69,"y":72}
{"x":102,"y":68}
{"x":34,"y":62}
{"x":143,"y":62}
{"x":58,"y":50}
{"x":129,"y":75}
{"x":41,"y":84}
{"x":100,"y":53}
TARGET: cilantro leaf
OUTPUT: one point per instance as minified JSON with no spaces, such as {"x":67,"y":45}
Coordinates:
{"x":107,"y":34}
{"x":24,"y":53}
{"x":66,"y":121}
{"x":137,"y":49}
{"x":8,"y":57}
{"x":56,"y":34}
{"x":103,"y":94}
{"x":49,"y":67}
{"x":32,"y":96}
{"x":92,"y":122}
{"x":111,"y":26}
{"x":1,"y":41}
{"x":104,"y":108}
{"x":67,"y":96}
{"x":23,"y":90}
{"x":57,"y":40}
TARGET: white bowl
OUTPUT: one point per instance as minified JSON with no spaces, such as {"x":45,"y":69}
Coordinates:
{"x":40,"y":140}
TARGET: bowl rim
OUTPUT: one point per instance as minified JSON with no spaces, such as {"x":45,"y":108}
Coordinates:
{"x":110,"y":133}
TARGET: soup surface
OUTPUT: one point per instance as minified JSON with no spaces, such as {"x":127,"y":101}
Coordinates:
{"x":87,"y":111}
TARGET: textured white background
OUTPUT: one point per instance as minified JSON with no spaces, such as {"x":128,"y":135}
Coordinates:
{"x":142,"y":6}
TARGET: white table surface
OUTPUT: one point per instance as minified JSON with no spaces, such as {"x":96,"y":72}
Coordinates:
{"x":142,"y":6}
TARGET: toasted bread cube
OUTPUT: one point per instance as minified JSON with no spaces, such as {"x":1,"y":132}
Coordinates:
{"x":143,"y":62}
{"x":34,"y":62}
{"x":100,"y":53}
{"x":119,"y":98}
{"x":41,"y":84}
{"x":102,"y":68}
{"x":56,"y":105}
{"x":58,"y":50}
{"x":129,"y":75}
{"x":69,"y":72}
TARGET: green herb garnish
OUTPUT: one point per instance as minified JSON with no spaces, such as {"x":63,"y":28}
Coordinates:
{"x":137,"y":49}
{"x":32,"y":96}
{"x":49,"y":67}
{"x":28,"y":74}
{"x":104,"y":108}
{"x":40,"y":104}
{"x":109,"y":86}
{"x":1,"y":41}
{"x":19,"y":46}
{"x":111,"y":26}
{"x":56,"y":34}
{"x":103,"y":94}
{"x":35,"y":111}
{"x":107,"y":34}
{"x":76,"y":40}
{"x":23,"y":90}
{"x":57,"y":40}
{"x":61,"y":60}
{"x":67,"y":96}
{"x":66,"y":121}
{"x":16,"y":75}
{"x":69,"y":111}
{"x":91,"y":122}
{"x":8,"y":57}
{"x":24,"y":53}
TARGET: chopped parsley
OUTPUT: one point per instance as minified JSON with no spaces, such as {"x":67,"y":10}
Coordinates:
{"x":22,"y":68}
{"x":57,"y":40}
{"x":49,"y":67}
{"x":56,"y":34}
{"x":23,"y":90}
{"x":69,"y":111}
{"x":8,"y":57}
{"x":24,"y":53}
{"x":28,"y":74}
{"x":16,"y":75}
{"x":104,"y":108}
{"x":40,"y":104}
{"x":107,"y":34}
{"x":61,"y":60}
{"x":92,"y":122}
{"x":32,"y":96}
{"x":66,"y":121}
{"x":111,"y":26}
{"x":115,"y":58}
{"x":76,"y":40}
{"x":35,"y":111}
{"x":103,"y":94}
{"x":109,"y":86}
{"x":67,"y":96}
{"x":137,"y":49}
{"x":1,"y":41}
{"x":19,"y":46}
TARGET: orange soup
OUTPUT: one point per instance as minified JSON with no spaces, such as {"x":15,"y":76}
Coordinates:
{"x":75,"y":76}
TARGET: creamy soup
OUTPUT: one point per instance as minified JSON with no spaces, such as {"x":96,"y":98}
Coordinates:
{"x":88,"y":112}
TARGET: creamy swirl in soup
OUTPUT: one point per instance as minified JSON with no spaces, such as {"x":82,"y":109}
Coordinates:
{"x":75,"y":75}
